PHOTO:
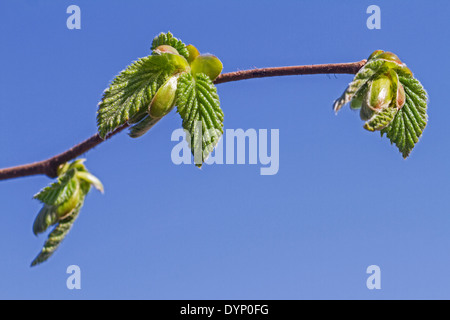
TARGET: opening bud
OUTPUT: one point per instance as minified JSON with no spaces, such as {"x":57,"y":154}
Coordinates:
{"x":164,"y":99}
{"x":207,"y":64}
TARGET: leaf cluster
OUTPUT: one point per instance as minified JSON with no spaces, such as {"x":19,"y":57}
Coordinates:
{"x":62,"y":201}
{"x":390,"y":99}
{"x":147,"y":90}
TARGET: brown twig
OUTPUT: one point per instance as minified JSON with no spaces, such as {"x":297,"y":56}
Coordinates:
{"x":50,"y":166}
{"x":347,"y":68}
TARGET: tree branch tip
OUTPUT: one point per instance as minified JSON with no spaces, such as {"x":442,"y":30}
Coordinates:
{"x":49,"y":167}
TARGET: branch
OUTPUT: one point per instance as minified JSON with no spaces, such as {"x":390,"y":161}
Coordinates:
{"x":50,"y":166}
{"x":342,"y":68}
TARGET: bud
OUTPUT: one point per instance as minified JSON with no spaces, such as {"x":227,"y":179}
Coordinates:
{"x":401,"y":97}
{"x":164,"y":99}
{"x":378,"y":97}
{"x":177,"y":61}
{"x":193,"y":52}
{"x":208,"y":64}
{"x":165,"y":49}
{"x":389,"y":56}
{"x":375,"y":54}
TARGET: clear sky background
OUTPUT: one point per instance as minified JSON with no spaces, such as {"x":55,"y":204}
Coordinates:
{"x":343,"y":198}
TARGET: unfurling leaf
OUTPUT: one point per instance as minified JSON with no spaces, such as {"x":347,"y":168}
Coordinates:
{"x":133,"y":89}
{"x":390,"y":100}
{"x":56,"y":237}
{"x":199,"y":107}
{"x":93,"y":180}
{"x":62,"y":202}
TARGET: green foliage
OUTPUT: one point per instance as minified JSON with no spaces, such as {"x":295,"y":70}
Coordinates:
{"x":133,"y":89}
{"x":62,"y":203}
{"x":149,"y":88}
{"x":385,"y":91}
{"x":410,"y":121}
{"x":199,"y":107}
{"x":60,"y":191}
{"x":56,"y":237}
{"x":390,"y":100}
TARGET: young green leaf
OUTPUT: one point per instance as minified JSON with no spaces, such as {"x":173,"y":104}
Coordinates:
{"x":199,"y":107}
{"x":57,"y":236}
{"x":381,"y":120}
{"x":410,"y":121}
{"x":59,"y":191}
{"x":133,"y":89}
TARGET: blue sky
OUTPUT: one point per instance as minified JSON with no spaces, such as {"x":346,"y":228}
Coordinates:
{"x":343,"y":199}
